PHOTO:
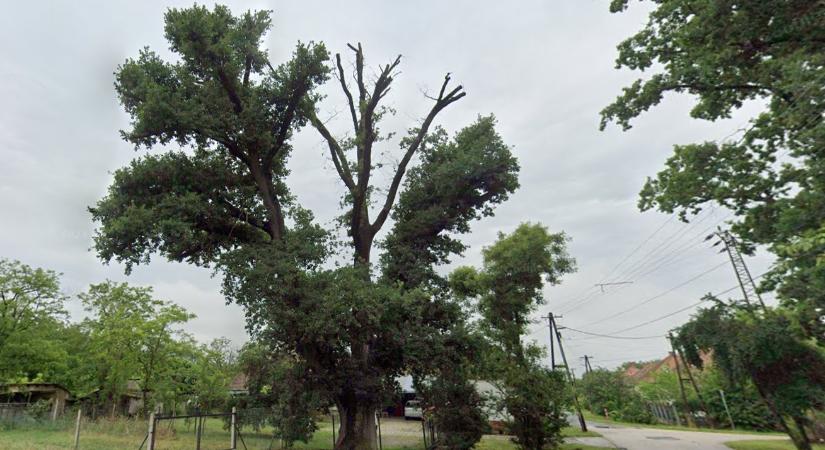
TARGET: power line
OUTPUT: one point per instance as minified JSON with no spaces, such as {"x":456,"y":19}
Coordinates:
{"x":663,"y":317}
{"x":634,"y":272}
{"x":655,"y":253}
{"x":660,"y":261}
{"x":613,"y":336}
{"x":644,"y":264}
{"x":646,"y":301}
{"x":637,"y":358}
{"x":659,"y":264}
{"x":579,"y":297}
{"x":651,"y":236}
{"x":717,"y":294}
{"x":653,"y":260}
{"x":673,"y":258}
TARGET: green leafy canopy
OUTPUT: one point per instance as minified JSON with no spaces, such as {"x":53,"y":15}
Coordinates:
{"x":772,"y":176}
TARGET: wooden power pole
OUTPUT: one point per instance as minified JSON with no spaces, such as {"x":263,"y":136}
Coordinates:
{"x":587,"y":367}
{"x":570,"y":378}
{"x":551,"y":326}
{"x":704,"y":405}
{"x":688,"y":410}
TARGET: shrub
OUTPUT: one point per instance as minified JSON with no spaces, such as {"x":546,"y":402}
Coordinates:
{"x":536,"y":398}
{"x":456,"y":411}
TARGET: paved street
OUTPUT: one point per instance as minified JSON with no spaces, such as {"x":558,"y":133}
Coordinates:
{"x":637,"y":438}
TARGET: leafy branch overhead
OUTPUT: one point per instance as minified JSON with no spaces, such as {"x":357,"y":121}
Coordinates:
{"x":770,"y":174}
{"x":226,"y":98}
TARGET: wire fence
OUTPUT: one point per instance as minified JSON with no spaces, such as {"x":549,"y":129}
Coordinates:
{"x":238,"y":429}
{"x":246,"y":429}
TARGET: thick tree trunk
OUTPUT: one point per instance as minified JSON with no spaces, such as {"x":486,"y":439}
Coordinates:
{"x":800,"y":442}
{"x":362,"y":240}
{"x":357,"y":427}
{"x":804,"y":443}
{"x":356,"y":405}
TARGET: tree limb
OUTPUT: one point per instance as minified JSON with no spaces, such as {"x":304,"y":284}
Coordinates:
{"x":728,"y":87}
{"x":273,"y":206}
{"x":362,"y":95}
{"x":350,"y":101}
{"x":359,"y":73}
{"x":230,"y":90}
{"x":380,"y":89}
{"x":244,"y":216}
{"x":286,"y":123}
{"x":337,"y":154}
{"x":441,"y":102}
{"x":247,"y":70}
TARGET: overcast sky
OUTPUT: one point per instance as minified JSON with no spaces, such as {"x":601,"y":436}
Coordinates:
{"x":545,"y":69}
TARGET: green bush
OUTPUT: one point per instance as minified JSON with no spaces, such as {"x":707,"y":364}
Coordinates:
{"x":634,"y":409}
{"x":456,"y":411}
{"x":536,"y":398}
{"x":610,"y":390}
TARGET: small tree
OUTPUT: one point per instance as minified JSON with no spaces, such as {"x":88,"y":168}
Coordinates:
{"x":28,"y":296}
{"x":276,"y":385}
{"x":456,"y":409}
{"x":132,"y":335}
{"x":449,"y":393}
{"x":771,"y":351}
{"x":537,"y":398}
{"x":213,"y":367}
{"x":508,"y":289}
{"x":611,"y":391}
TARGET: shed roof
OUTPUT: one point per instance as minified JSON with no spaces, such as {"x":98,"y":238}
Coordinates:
{"x":18,"y":387}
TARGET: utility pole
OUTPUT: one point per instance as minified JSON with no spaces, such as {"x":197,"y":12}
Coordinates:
{"x":570,"y":378}
{"x":551,"y":325}
{"x":681,"y":357}
{"x":743,"y":275}
{"x":689,"y":411}
{"x":587,"y":367}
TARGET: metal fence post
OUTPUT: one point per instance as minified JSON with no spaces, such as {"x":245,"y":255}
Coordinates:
{"x":424,"y":431}
{"x":151,"y":437}
{"x":725,"y":404}
{"x":333,"y":428}
{"x":233,"y":438}
{"x":380,"y":444}
{"x":77,"y":430}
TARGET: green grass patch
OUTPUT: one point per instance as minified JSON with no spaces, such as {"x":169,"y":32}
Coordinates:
{"x":128,"y":434}
{"x":577,"y":432}
{"x":767,"y":445}
{"x":589,"y":416}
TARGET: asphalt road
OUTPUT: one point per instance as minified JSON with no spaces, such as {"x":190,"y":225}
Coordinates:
{"x":638,"y":438}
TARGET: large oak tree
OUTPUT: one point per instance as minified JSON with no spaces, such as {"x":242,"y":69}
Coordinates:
{"x":223,"y":202}
{"x":507,"y":291}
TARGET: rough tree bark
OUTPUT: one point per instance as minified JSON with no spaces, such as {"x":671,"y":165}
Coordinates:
{"x":800,"y":442}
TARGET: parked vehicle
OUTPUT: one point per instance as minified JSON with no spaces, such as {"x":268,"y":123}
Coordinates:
{"x":412,"y":410}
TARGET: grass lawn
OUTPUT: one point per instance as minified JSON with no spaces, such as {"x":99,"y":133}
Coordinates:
{"x":128,"y":434}
{"x":590,"y":416}
{"x":577,"y":432}
{"x":767,"y":445}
